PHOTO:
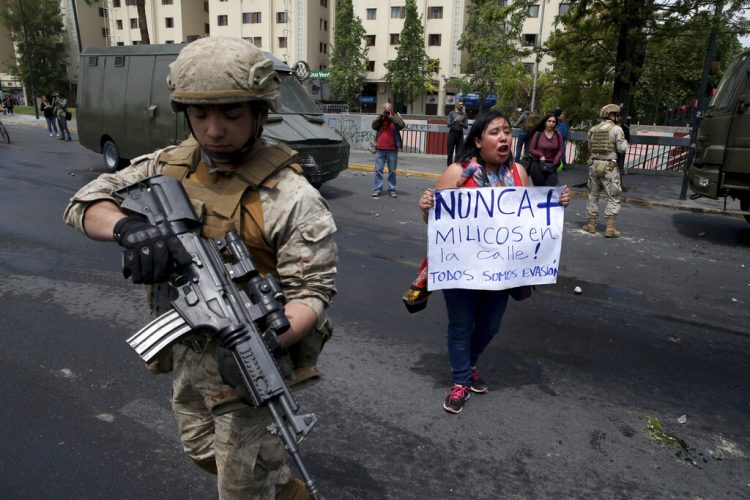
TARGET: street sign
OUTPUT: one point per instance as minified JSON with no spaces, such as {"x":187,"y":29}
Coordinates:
{"x":320,"y":75}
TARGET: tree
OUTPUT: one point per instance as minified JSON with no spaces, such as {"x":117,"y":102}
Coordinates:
{"x":492,"y":50}
{"x":43,"y":25}
{"x":603,"y":51}
{"x":348,"y":56}
{"x":407,"y":73}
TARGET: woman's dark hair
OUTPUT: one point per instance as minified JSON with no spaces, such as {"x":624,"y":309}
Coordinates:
{"x":481,"y":122}
{"x":543,"y":122}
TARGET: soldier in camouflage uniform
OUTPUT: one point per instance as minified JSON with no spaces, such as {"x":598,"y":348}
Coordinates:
{"x":606,"y":140}
{"x":226,"y":87}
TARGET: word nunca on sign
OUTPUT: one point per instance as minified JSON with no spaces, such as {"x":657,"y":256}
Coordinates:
{"x":494,"y":238}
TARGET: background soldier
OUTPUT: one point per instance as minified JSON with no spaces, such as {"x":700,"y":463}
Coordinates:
{"x":606,"y":140}
{"x":225,"y":86}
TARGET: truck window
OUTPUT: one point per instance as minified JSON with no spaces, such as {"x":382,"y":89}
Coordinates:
{"x":295,"y":99}
{"x":733,"y":78}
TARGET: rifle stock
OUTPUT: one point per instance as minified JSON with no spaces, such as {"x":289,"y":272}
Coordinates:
{"x":205,"y":297}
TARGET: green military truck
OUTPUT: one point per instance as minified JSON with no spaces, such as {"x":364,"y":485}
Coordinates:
{"x":124,"y":112}
{"x":721,"y":166}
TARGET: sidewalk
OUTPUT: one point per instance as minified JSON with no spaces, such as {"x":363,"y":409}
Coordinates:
{"x":31,"y":120}
{"x":645,"y":187}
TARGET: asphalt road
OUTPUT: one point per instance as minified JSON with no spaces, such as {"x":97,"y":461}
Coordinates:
{"x":578,"y":383}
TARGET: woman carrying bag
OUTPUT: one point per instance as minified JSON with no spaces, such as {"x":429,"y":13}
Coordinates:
{"x":546,"y":148}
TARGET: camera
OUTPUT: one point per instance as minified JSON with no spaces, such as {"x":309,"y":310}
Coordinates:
{"x":386,"y":113}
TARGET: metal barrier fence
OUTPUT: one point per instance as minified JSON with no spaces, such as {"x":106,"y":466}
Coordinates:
{"x":647,"y":151}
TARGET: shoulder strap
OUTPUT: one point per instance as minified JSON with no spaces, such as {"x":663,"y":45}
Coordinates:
{"x":517,"y":181}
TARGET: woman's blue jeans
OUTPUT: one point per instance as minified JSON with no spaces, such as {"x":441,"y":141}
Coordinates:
{"x":474,"y":317}
{"x":51,"y":124}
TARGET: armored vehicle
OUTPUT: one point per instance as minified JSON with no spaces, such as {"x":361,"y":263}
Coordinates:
{"x":721,"y":166}
{"x":124,"y":111}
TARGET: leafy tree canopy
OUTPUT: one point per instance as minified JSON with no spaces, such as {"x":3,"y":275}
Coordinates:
{"x":604,"y":49}
{"x":348,"y":56}
{"x":492,"y":52}
{"x":408,"y":72}
{"x":42,"y":21}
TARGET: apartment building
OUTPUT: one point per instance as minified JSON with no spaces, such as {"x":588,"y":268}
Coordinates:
{"x":167,"y":21}
{"x":443,"y":22}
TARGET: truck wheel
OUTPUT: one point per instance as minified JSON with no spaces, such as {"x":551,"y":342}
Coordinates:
{"x":745,"y":206}
{"x":111,"y":156}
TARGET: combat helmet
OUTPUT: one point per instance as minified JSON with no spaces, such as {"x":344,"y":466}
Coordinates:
{"x":222,"y":70}
{"x":609,"y":108}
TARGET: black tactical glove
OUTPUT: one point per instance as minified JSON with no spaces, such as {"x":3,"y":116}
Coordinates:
{"x":148,"y":255}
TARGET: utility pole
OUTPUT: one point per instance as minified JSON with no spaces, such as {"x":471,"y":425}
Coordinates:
{"x":702,"y":95}
{"x":538,"y":57}
{"x":28,"y":59}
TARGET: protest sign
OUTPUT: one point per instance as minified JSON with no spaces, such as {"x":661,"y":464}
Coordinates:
{"x":494,"y":238}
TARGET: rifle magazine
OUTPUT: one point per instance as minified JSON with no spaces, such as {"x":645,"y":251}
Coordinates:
{"x":158,"y":334}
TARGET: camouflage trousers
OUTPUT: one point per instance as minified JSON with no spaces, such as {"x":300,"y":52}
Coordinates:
{"x":604,"y":177}
{"x":215,"y":426}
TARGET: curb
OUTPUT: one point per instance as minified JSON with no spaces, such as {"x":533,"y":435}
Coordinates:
{"x":584,"y":194}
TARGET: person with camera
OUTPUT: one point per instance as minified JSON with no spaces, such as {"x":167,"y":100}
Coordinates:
{"x":226,"y":87}
{"x":457,"y":123}
{"x":387,"y":143}
{"x":63,"y":115}
{"x":546,"y":149}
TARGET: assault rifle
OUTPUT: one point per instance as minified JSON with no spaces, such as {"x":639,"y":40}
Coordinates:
{"x":205,"y":298}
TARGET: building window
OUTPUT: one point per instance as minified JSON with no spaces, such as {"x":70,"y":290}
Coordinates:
{"x":323,"y":48}
{"x":529,"y":39}
{"x":282,"y":42}
{"x":115,"y":3}
{"x":564,"y":9}
{"x":134,"y":23}
{"x":251,"y":18}
{"x":222,"y":20}
{"x":166,"y":2}
{"x":102,"y":12}
{"x":168,"y":41}
{"x":169,"y":22}
{"x":398,"y":12}
{"x":324,"y":3}
{"x":533,"y":11}
{"x":370,"y":40}
{"x":192,"y":38}
{"x":323,"y":25}
{"x":528,"y":68}
{"x":371,"y":14}
{"x":395,"y":38}
{"x":119,"y":24}
{"x":370,"y":65}
{"x":433,"y":66}
{"x":205,"y":6}
{"x":257,"y":41}
{"x":120,"y":43}
{"x":207,"y":28}
{"x":131,"y":3}
{"x":433,"y":40}
{"x":435,"y":13}
{"x":282,"y":18}
{"x":105,"y":32}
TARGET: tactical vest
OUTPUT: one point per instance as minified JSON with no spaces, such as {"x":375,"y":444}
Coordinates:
{"x":231,"y":202}
{"x":601,"y":146}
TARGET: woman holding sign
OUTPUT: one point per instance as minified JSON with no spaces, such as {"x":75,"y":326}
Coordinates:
{"x":474,"y":316}
{"x":546,"y":149}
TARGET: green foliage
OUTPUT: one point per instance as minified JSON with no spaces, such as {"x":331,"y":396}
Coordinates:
{"x":43,"y":25}
{"x":348,"y":56}
{"x":637,"y":52}
{"x":407,"y":73}
{"x":492,"y":52}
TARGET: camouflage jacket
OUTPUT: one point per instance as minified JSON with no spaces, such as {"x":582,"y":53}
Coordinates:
{"x":297,"y":224}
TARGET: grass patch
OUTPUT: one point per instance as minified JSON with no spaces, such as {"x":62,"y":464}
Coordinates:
{"x":29,"y":110}
{"x":655,"y":431}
